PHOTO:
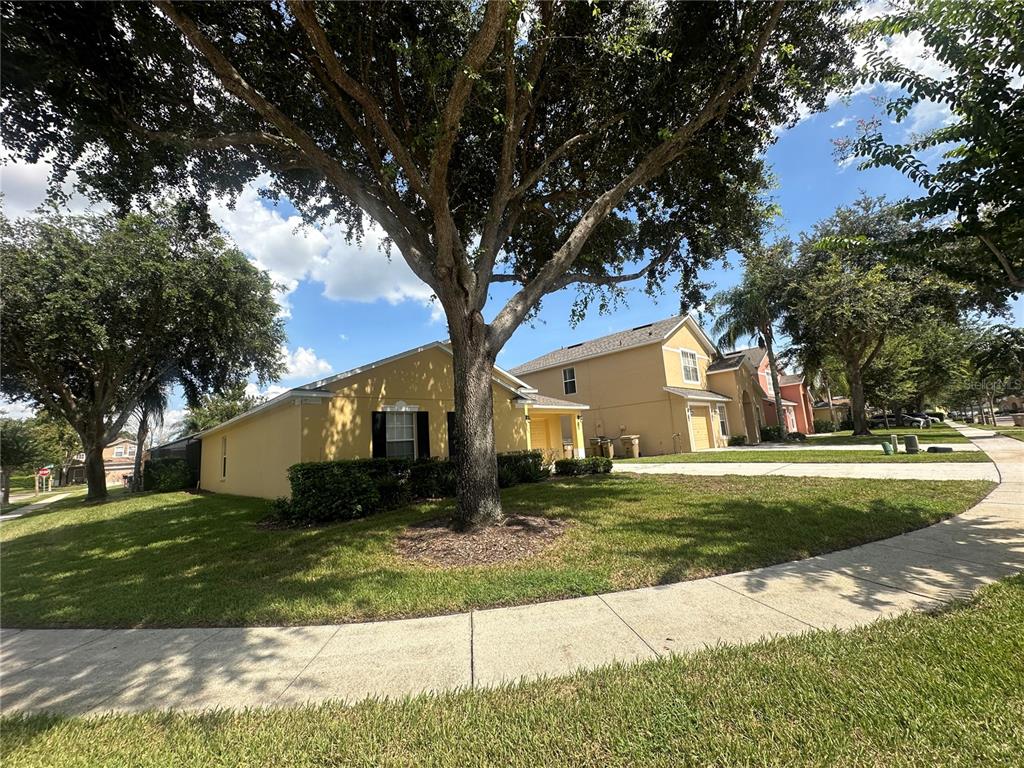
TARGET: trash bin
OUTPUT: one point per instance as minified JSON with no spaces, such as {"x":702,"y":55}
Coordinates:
{"x":894,"y":439}
{"x":567,"y":450}
{"x":1018,"y":419}
{"x":630,"y":446}
{"x":910,"y":443}
{"x":887,"y":449}
{"x":608,"y":447}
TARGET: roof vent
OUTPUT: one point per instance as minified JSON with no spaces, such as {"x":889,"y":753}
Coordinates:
{"x":648,"y":325}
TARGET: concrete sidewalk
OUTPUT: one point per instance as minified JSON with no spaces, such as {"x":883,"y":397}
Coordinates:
{"x":902,"y":471}
{"x":95,"y":670}
{"x":810,"y":445}
{"x":30,"y":508}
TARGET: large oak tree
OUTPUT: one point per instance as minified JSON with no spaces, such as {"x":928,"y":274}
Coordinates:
{"x":537,"y":144}
{"x":98,"y":311}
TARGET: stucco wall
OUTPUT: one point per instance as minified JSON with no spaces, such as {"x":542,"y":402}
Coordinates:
{"x":259,"y":451}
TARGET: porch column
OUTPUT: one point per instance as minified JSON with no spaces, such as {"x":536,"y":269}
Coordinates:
{"x":526,"y":423}
{"x":577,"y":437}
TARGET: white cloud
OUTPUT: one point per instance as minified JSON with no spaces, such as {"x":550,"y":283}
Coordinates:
{"x":292,"y":251}
{"x":303,"y":363}
{"x":842,"y":122}
{"x":264,"y":394}
{"x":927,"y":116}
{"x":24,"y":187}
{"x":16,"y":409}
{"x":343,"y":336}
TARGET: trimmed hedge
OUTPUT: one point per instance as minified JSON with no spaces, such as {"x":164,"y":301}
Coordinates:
{"x":164,"y":475}
{"x":593,"y":465}
{"x":798,"y":436}
{"x":771,"y":434}
{"x":824,"y":425}
{"x":328,"y":491}
{"x":738,"y":440}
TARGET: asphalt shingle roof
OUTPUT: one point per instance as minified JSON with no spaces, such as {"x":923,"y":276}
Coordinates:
{"x":699,"y":394}
{"x":792,"y":378}
{"x":634,"y":337}
{"x":536,"y":398}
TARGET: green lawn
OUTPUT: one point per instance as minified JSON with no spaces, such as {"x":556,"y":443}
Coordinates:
{"x":937,"y":433}
{"x":73,"y":491}
{"x":808,"y":456}
{"x":180,"y":559}
{"x":1017,"y":433}
{"x":913,"y":692}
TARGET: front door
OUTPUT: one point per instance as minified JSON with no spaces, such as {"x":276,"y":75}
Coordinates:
{"x":701,"y":430}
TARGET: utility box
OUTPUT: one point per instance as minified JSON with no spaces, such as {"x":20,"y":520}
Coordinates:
{"x":910,"y":443}
{"x":630,"y":446}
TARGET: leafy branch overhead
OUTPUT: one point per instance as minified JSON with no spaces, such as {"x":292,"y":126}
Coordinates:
{"x":543,"y":144}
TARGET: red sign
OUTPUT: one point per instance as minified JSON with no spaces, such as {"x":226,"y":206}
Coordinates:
{"x":44,"y":472}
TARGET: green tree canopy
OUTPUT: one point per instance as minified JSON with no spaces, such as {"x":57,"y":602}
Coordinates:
{"x":96,"y":310}
{"x":216,"y":408}
{"x":974,"y":187}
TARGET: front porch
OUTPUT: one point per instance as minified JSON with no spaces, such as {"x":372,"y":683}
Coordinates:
{"x":553,"y":426}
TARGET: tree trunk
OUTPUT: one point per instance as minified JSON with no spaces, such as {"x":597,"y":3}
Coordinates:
{"x":831,"y":405}
{"x":857,"y":407}
{"x":479,"y":500}
{"x":5,"y":481}
{"x":779,"y":415}
{"x":95,"y":475}
{"x":140,"y":441}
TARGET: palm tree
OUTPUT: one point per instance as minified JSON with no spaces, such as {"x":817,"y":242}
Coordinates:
{"x":151,"y":409}
{"x":751,"y":309}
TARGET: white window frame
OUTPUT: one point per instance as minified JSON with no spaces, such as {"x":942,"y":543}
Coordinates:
{"x":390,"y":419}
{"x":684,"y":354}
{"x":567,"y":380}
{"x":723,"y":421}
{"x":223,"y":457}
{"x":119,"y":451}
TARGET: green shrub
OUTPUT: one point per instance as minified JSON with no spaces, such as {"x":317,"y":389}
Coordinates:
{"x":798,"y":436}
{"x":738,"y":440}
{"x":824,"y":425}
{"x":164,"y":475}
{"x":592,"y":465}
{"x":771,"y":434}
{"x":325,"y":491}
{"x":524,"y":466}
{"x":328,"y":491}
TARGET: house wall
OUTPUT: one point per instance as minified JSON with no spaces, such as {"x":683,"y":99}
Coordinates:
{"x":259,"y":449}
{"x":804,"y":410}
{"x":626,"y":395}
{"x":733,"y":384}
{"x":315,"y":428}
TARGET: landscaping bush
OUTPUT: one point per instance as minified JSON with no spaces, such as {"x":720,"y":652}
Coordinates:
{"x":328,"y":491}
{"x":738,"y":440}
{"x":824,"y":425}
{"x":798,"y":436}
{"x":771,"y":434}
{"x":590,"y":466}
{"x":524,"y":466}
{"x":164,"y":475}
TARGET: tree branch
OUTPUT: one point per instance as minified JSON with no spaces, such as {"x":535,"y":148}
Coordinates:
{"x":508,"y":319}
{"x":1004,"y":262}
{"x":345,"y":182}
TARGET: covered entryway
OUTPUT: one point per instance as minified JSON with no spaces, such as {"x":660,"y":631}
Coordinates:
{"x":697,"y":421}
{"x":750,"y":420}
{"x":700,"y":423}
{"x":554,"y":424}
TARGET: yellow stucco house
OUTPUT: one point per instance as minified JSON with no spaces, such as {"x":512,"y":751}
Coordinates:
{"x":657,"y":381}
{"x":400,"y":406}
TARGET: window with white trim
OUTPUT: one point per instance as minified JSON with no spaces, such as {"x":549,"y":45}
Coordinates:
{"x":223,"y":457}
{"x":119,"y":450}
{"x":723,"y":421}
{"x":569,"y":381}
{"x":400,"y":427}
{"x":691,"y":373}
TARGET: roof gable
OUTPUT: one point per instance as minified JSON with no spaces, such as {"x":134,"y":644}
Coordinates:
{"x":638,"y":336}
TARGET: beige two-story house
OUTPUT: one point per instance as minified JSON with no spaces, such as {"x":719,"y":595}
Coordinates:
{"x":653,"y":381}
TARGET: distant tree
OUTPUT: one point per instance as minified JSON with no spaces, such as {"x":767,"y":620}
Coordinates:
{"x":96,"y":310}
{"x":753,"y":308}
{"x":539,"y":144}
{"x":19,"y":450}
{"x":151,"y":409}
{"x":999,"y":362}
{"x":58,"y":441}
{"x":851,"y":294}
{"x":975,"y":186}
{"x":217,"y":408}
{"x":891,"y":380}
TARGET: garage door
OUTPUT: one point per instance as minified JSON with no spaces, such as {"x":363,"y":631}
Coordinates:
{"x":699,"y":420}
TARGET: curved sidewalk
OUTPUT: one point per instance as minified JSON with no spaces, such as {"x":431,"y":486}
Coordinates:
{"x":939,"y":470}
{"x":93,"y":670}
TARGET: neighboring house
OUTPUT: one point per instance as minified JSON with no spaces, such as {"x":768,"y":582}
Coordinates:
{"x":118,"y":463}
{"x":797,"y":402}
{"x":841,"y":406}
{"x":653,"y":381}
{"x":401,"y":406}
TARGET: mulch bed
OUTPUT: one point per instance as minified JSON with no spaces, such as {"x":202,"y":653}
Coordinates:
{"x":519,"y":537}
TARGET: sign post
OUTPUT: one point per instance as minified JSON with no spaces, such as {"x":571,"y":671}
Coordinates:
{"x":44,"y":479}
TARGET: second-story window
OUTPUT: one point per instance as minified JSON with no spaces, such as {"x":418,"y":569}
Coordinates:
{"x":119,"y":451}
{"x":691,"y":373}
{"x":569,"y":381}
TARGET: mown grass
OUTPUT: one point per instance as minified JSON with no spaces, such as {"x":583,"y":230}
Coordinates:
{"x":1017,"y":433}
{"x":917,"y":691}
{"x":181,"y":559}
{"x":809,"y":456}
{"x":936,"y":433}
